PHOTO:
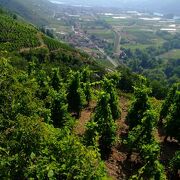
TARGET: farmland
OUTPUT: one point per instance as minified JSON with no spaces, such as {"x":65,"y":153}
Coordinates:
{"x":145,"y":42}
{"x":135,"y":29}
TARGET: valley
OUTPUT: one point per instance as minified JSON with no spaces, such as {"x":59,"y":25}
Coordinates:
{"x":110,"y":29}
{"x":89,"y":91}
{"x":145,"y":42}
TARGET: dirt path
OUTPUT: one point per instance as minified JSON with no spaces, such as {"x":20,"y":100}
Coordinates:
{"x":42,"y":44}
{"x":118,"y":155}
{"x":85,"y":117}
{"x":114,"y":164}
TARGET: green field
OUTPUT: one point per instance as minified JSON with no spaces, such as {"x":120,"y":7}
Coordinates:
{"x":173,"y":54}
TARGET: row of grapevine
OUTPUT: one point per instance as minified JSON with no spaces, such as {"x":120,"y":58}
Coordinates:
{"x":15,"y":35}
{"x":37,"y":141}
{"x":143,"y":122}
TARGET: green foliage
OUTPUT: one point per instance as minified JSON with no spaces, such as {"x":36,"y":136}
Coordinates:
{"x":113,"y":100}
{"x":15,"y":35}
{"x":91,"y":136}
{"x":29,"y":147}
{"x":59,"y":108}
{"x":142,"y":134}
{"x":75,"y":95}
{"x":115,"y":77}
{"x":141,"y":139}
{"x":53,"y":44}
{"x":128,"y":80}
{"x":18,"y":93}
{"x":32,"y":149}
{"x":43,"y":82}
{"x":103,"y":124}
{"x":175,"y":164}
{"x":152,"y":168}
{"x":155,"y":65}
{"x":172,"y":126}
{"x":87,"y":92}
{"x":86,"y":83}
{"x":138,"y":107}
{"x":168,"y":101}
{"x":55,"y":79}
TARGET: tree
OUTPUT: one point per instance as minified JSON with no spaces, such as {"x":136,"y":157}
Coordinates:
{"x":138,"y":107}
{"x":106,"y":127}
{"x":43,"y":82}
{"x":75,"y":95}
{"x":59,"y":108}
{"x":32,"y":149}
{"x":142,"y":133}
{"x":172,"y":125}
{"x":113,"y":100}
{"x":55,"y":79}
{"x":174,"y":165}
{"x":86,"y":84}
{"x":152,"y":168}
{"x":86,"y":75}
{"x":91,"y":136}
{"x":168,"y":102}
{"x":88,"y":92}
{"x":141,"y":140}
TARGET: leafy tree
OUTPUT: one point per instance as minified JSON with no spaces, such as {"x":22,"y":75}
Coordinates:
{"x":141,"y":139}
{"x":115,"y":77}
{"x":6,"y":81}
{"x":88,"y":92}
{"x":55,"y":79}
{"x":106,"y":128}
{"x":86,"y":75}
{"x":142,"y":133}
{"x":168,"y":102}
{"x":113,"y":100}
{"x":86,"y":83}
{"x":59,"y":108}
{"x":91,"y":136}
{"x":31,"y":149}
{"x":43,"y":82}
{"x":31,"y":68}
{"x":138,"y":107}
{"x":174,"y":165}
{"x":152,"y":168}
{"x":172,"y":126}
{"x":75,"y":95}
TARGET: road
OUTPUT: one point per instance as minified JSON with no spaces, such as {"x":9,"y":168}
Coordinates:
{"x":108,"y":57}
{"x":112,"y":61}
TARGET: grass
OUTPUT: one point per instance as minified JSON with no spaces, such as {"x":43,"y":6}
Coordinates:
{"x":173,"y":54}
{"x":135,"y":46}
{"x":105,"y":63}
{"x":105,"y":34}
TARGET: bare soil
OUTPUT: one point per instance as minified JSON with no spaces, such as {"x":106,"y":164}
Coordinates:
{"x":84,"y":118}
{"x":118,"y":168}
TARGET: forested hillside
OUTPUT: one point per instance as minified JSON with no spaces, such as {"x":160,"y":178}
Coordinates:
{"x":23,"y":40}
{"x":64,"y":117}
{"x":35,"y":11}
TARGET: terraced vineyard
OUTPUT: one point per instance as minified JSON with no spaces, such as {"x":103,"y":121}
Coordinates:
{"x":15,"y":35}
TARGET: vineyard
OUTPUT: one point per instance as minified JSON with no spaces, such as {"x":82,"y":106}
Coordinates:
{"x":15,"y":35}
{"x":41,"y":109}
{"x":64,"y":117}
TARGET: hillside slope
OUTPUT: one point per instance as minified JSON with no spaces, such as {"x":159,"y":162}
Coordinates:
{"x":35,"y":11}
{"x":28,"y":42}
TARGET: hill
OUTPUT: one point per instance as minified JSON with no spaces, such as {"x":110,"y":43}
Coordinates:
{"x":25,"y":40}
{"x":48,"y":94}
{"x":163,"y":6}
{"x":35,"y":11}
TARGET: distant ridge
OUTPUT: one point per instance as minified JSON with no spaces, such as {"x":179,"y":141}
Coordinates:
{"x":163,"y":6}
{"x":35,"y":11}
